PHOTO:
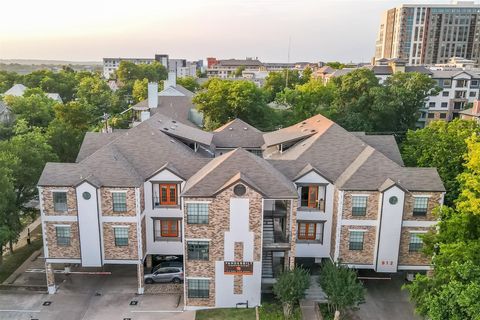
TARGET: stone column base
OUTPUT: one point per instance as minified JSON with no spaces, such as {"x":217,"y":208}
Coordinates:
{"x":140,"y":278}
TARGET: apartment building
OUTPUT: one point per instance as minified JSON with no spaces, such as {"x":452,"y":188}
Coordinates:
{"x":430,"y":33}
{"x":251,"y":67}
{"x":459,"y":89}
{"x":238,"y":204}
{"x":181,"y":67}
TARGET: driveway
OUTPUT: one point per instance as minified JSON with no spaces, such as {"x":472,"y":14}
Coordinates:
{"x":384,"y":299}
{"x":89,"y":297}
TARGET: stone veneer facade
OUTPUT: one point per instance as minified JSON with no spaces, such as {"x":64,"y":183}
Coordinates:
{"x":219,"y":223}
{"x":48,"y":206}
{"x":107,"y":202}
{"x":113,"y":252}
{"x":71,"y":251}
{"x":364,"y":256}
{"x":411,"y":258}
{"x":372,"y":205}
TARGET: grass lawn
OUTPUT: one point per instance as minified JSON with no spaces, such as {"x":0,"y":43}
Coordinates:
{"x":228,"y":313}
{"x":12,"y":261}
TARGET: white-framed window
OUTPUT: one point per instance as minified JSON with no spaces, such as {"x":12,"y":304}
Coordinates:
{"x":63,"y":235}
{"x":119,"y":200}
{"x":420,"y":206}
{"x":355,"y":240}
{"x":359,"y":205}
{"x":198,"y":288}
{"x":415,"y":243}
{"x":60,"y":201}
{"x":197,"y":213}
{"x":121,"y":236}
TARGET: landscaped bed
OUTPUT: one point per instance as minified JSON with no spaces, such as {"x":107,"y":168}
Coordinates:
{"x":227,"y":313}
{"x":12,"y":261}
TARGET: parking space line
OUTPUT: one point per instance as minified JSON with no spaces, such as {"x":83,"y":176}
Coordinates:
{"x":24,"y":311}
{"x":157,"y":311}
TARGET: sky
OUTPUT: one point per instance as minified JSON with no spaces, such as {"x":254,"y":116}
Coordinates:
{"x":88,"y":30}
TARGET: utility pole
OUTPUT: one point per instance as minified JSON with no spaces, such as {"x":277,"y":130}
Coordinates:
{"x":288,"y":61}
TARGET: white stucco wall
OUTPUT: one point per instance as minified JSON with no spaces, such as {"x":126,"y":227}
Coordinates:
{"x":390,"y":230}
{"x":88,"y":223}
{"x":317,"y":250}
{"x":239,"y":232}
{"x":162,"y":247}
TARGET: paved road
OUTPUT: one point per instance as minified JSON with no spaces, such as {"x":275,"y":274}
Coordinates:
{"x":385,"y":300}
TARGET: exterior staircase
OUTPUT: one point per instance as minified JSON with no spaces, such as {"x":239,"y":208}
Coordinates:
{"x":267,"y":264}
{"x":268,"y":234}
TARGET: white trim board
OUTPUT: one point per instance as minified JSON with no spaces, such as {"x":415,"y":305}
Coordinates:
{"x":53,"y":260}
{"x":119,"y":219}
{"x":121,"y":262}
{"x":47,"y":218}
{"x":355,"y":222}
{"x":414,"y":268}
{"x":416,"y":223}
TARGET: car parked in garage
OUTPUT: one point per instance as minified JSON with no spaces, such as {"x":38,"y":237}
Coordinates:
{"x":166,"y":274}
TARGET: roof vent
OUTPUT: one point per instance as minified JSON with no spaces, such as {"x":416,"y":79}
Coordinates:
{"x":313,"y":130}
{"x":318,"y":120}
{"x":245,"y":128}
{"x":230,"y":128}
{"x":172,"y":127}
{"x":304,"y":122}
{"x":174,"y":121}
{"x":172,"y":141}
{"x":166,"y":129}
{"x":304,"y":130}
{"x":159,"y":120}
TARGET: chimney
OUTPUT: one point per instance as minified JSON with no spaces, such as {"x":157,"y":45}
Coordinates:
{"x":152,"y":95}
{"x":476,"y":108}
{"x":171,"y":81}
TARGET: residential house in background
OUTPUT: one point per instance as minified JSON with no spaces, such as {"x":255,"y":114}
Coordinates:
{"x":471,"y":113}
{"x":18,"y":90}
{"x":239,"y":205}
{"x":427,"y":34}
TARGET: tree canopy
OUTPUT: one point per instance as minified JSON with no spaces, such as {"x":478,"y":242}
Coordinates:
{"x":224,"y":100}
{"x":189,"y":83}
{"x":452,"y":291}
{"x":290,"y":288}
{"x":441,"y":145}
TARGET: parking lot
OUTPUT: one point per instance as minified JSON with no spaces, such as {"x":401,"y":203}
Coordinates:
{"x":110,"y":294}
{"x":384,"y":299}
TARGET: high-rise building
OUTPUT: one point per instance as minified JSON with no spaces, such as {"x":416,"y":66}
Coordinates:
{"x":430,"y":34}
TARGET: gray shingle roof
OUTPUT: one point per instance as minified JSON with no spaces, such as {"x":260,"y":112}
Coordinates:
{"x":95,"y":140}
{"x":175,"y":107}
{"x":180,"y":130}
{"x":257,"y":172}
{"x":386,"y":144}
{"x":237,"y":133}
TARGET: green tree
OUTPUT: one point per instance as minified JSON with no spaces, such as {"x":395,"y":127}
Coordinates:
{"x":399,"y":100}
{"x":34,"y":107}
{"x":225,"y":100}
{"x":65,"y":133}
{"x":128,"y":72}
{"x":140,"y":90}
{"x":7,"y":80}
{"x":63,"y":82}
{"x":341,"y":286}
{"x":354,"y":98}
{"x":9,"y":218}
{"x":290,"y":288}
{"x":308,"y":99}
{"x":276,"y":82}
{"x":238,"y":71}
{"x":441,"y":145}
{"x":335,"y":65}
{"x":189,"y":83}
{"x":307,"y":74}
{"x":95,"y":92}
{"x":452,"y":291}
